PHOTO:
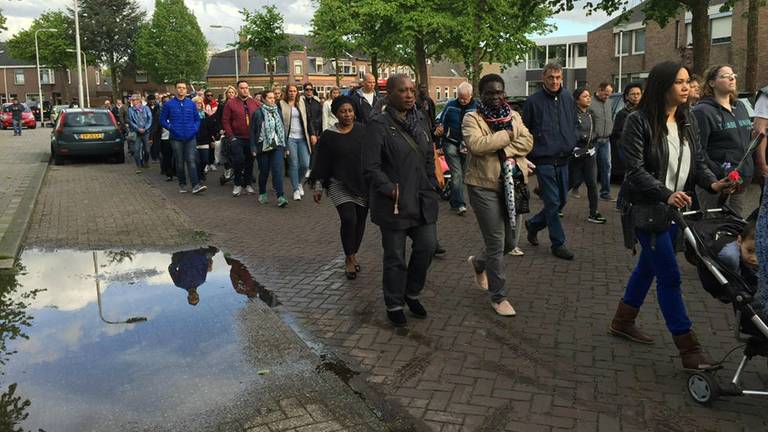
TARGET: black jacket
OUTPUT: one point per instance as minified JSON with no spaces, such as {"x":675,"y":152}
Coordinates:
{"x":647,"y":163}
{"x":390,"y":164}
{"x":206,"y":133}
{"x":725,"y":135}
{"x":363,"y":110}
{"x":314,"y":116}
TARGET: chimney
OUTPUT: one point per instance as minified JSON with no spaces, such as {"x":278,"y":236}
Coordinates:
{"x":242,"y":59}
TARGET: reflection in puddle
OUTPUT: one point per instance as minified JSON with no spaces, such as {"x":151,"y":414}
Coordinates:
{"x":109,"y":341}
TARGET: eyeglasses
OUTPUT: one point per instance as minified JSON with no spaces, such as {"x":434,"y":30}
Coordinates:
{"x":308,"y":89}
{"x":728,"y":76}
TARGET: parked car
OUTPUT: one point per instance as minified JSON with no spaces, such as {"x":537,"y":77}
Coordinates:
{"x":86,"y":132}
{"x":55,"y":111}
{"x":27,"y":118}
{"x":35,"y":107}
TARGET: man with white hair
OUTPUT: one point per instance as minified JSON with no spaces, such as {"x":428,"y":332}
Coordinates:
{"x":449,"y":129}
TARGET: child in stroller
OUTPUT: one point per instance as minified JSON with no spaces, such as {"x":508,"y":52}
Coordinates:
{"x":722,"y":247}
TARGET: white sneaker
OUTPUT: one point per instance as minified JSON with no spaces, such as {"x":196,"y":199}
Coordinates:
{"x":199,"y":188}
{"x":516,"y":252}
{"x":207,"y":168}
{"x":249,"y":190}
{"x":296,"y":195}
{"x":237,"y":191}
{"x":301,"y":190}
{"x":212,"y":167}
{"x":504,"y":308}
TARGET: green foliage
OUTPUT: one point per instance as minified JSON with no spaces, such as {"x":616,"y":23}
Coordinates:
{"x":172,"y":45}
{"x":12,"y":410}
{"x":2,"y":21}
{"x":264,"y":34}
{"x":331,"y":30}
{"x":53,"y":45}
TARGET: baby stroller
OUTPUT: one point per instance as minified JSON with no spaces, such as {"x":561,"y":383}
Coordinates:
{"x":445,"y":193}
{"x":705,"y":233}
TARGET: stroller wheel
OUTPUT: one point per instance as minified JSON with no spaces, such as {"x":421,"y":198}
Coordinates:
{"x":703,"y":388}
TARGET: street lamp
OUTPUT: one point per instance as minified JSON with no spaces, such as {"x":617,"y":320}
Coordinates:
{"x":77,"y":48}
{"x":39,"y":83}
{"x":87,"y":89}
{"x":237,"y":71}
{"x":131,"y":320}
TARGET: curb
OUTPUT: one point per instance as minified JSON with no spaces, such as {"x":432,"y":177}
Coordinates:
{"x":10,"y":243}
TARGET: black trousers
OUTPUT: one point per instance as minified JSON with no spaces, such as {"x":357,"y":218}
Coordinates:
{"x":401,"y":280}
{"x":242,"y":161}
{"x":584,"y":169}
{"x":166,"y":158}
{"x":353,"y":218}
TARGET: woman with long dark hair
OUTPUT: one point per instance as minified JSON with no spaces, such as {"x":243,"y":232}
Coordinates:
{"x":664,"y":161}
{"x":583,"y":166}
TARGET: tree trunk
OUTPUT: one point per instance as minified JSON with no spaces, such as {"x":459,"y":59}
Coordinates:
{"x":338,"y":75}
{"x":375,"y":67}
{"x":115,"y":85}
{"x":477,"y":70}
{"x":750,"y":79}
{"x":701,"y":35}
{"x":272,"y":72}
{"x":420,"y":51}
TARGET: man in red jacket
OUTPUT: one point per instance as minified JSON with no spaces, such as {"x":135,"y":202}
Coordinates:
{"x":236,"y":124}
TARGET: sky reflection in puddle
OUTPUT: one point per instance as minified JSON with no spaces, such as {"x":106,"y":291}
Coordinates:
{"x":165,"y":343}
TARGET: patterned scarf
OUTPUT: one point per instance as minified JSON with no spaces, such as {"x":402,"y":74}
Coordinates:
{"x":272,"y":132}
{"x":499,"y":118}
{"x":411,"y":121}
{"x":761,"y":240}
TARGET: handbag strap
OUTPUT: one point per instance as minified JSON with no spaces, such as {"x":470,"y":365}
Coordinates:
{"x":407,"y":137}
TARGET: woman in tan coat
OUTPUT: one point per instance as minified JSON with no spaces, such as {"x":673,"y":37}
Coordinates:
{"x":494,"y":135}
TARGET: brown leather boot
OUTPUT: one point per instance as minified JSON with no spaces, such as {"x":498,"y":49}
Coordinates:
{"x":623,"y":325}
{"x":691,"y":353}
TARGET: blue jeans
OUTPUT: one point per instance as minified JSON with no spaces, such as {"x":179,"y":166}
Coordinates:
{"x":298,"y":160}
{"x":271,"y":162}
{"x":185,"y":154}
{"x":457,"y":163}
{"x":16,"y":127}
{"x":661,"y":263}
{"x":138,"y":146}
{"x":603,"y":146}
{"x":553,"y":187}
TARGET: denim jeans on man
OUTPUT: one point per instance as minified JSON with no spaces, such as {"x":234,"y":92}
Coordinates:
{"x":185,"y":154}
{"x":553,"y":188}
{"x":457,"y":163}
{"x":16,"y":127}
{"x":603,"y":146}
{"x":241,"y":158}
{"x":271,"y":162}
{"x":138,"y":148}
{"x":659,"y":261}
{"x":401,"y":280}
{"x":298,"y":161}
{"x":489,"y":207}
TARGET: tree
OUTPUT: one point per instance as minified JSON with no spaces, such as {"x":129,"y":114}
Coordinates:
{"x":108,"y":32}
{"x":331,"y":31}
{"x":373,"y":31}
{"x":264,"y":34}
{"x":494,"y":32}
{"x":2,"y":21}
{"x":173,"y":29}
{"x":662,"y":12}
{"x":53,"y":45}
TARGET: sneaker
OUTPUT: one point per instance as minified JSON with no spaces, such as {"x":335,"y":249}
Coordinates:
{"x":480,"y":278}
{"x":237,"y":190}
{"x":139,"y":171}
{"x":531,"y":234}
{"x":264,"y":198}
{"x":228,"y":173}
{"x":207,"y":168}
{"x":397,"y":318}
{"x":199,"y":188}
{"x":296,"y":195}
{"x":607,"y":198}
{"x":461,"y":211}
{"x":563,"y":253}
{"x":169,"y":178}
{"x":561,"y":214}
{"x":183,"y":189}
{"x":504,"y":308}
{"x":249,"y":190}
{"x":574,"y":194}
{"x":282,"y":202}
{"x":516,"y":252}
{"x":439,"y":250}
{"x":416,"y":308}
{"x":596,"y":218}
{"x":212,"y":167}
{"x":301,"y":189}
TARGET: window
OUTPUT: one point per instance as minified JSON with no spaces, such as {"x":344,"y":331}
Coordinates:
{"x":47,"y":76}
{"x":318,"y":65}
{"x":720,"y":30}
{"x":69,"y":77}
{"x":581,"y":50}
{"x":18,"y":75}
{"x":638,"y":44}
{"x":270,"y":65}
{"x":557,"y":55}
{"x":454,"y":92}
{"x":141,"y":76}
{"x":446,"y":93}
{"x":536,"y":58}
{"x":533,"y":87}
{"x":297,"y":67}
{"x":615,"y":79}
{"x":624,"y":39}
{"x":347,"y":68}
{"x":437,"y":93}
{"x":98,"y":77}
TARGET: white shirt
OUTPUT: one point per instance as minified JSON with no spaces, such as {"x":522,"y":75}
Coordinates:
{"x":761,"y":107}
{"x":369,"y":97}
{"x":296,"y":131}
{"x":673,"y":144}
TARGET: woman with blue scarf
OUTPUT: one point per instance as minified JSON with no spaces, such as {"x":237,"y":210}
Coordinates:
{"x":268,"y":145}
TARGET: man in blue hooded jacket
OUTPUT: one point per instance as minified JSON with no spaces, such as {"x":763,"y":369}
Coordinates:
{"x":182,"y":120}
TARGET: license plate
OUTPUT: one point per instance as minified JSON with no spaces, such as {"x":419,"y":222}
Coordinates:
{"x":92,"y":136}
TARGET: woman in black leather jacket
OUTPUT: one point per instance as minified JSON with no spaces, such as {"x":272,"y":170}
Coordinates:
{"x":664,"y":159}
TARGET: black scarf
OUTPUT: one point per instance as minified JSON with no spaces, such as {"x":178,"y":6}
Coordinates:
{"x":410,"y":123}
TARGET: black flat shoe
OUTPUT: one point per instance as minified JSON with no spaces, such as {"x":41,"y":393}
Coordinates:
{"x":416,"y":308}
{"x":397,"y":318}
{"x":351,"y":275}
{"x":532,"y":239}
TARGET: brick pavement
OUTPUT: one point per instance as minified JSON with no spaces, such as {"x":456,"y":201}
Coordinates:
{"x":550,"y":368}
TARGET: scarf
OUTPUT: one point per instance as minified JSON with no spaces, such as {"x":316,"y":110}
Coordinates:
{"x":272,"y":132}
{"x":411,"y":121}
{"x":201,"y":114}
{"x":761,"y":241}
{"x":499,"y":118}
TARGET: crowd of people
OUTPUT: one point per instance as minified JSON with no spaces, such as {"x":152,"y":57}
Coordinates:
{"x":681,"y":139}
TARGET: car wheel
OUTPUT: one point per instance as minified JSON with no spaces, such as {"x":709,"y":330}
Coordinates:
{"x":34,"y":126}
{"x":58,"y":159}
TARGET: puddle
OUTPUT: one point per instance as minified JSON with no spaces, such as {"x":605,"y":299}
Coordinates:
{"x":115,"y":340}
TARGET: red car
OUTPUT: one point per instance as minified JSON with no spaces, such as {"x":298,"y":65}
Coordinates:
{"x":27,"y":118}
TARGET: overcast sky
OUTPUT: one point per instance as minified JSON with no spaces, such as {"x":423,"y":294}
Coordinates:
{"x":297,"y":13}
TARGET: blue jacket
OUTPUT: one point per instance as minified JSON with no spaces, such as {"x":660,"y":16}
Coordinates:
{"x":551,"y":120}
{"x":140,"y":119}
{"x":451,"y":119}
{"x":181,"y":119}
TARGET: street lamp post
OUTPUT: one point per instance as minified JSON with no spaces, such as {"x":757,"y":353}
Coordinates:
{"x":87,"y":87}
{"x":77,"y":48}
{"x":39,"y":83}
{"x":237,"y":71}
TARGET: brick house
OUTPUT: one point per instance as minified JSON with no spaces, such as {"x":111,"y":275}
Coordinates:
{"x":570,"y":52}
{"x":640,"y":46}
{"x":308,"y":65}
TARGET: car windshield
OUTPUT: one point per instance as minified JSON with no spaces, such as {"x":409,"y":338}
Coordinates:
{"x":87,"y":118}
